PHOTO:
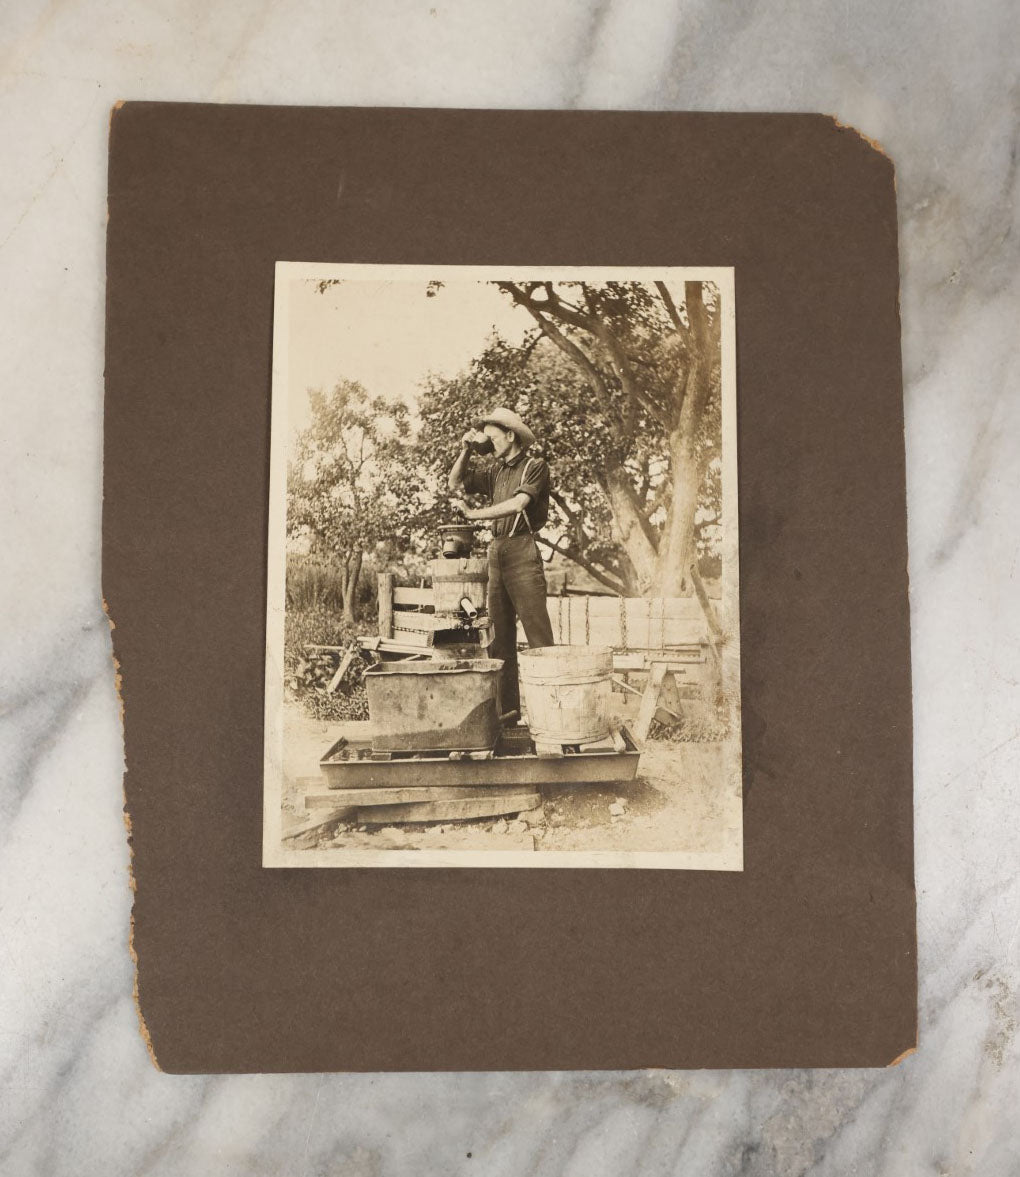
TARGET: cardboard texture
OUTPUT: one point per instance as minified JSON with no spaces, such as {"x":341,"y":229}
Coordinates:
{"x":807,"y":958}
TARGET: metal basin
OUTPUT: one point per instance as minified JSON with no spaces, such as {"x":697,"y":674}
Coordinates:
{"x":457,"y":540}
{"x":434,"y":706}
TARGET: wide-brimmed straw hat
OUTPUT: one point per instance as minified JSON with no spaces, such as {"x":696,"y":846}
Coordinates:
{"x":507,"y":419}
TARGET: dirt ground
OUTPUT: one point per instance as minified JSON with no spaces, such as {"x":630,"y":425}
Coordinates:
{"x":683,"y":799}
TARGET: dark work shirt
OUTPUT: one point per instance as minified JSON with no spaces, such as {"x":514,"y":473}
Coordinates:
{"x":501,"y":480}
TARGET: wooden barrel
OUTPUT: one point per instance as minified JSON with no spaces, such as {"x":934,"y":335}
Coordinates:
{"x":567,"y":692}
{"x":453,"y":580}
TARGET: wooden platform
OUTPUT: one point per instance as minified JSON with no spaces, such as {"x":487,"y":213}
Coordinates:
{"x":450,"y":809}
{"x":437,"y":788}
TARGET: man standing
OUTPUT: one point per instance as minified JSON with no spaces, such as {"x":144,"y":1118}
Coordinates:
{"x":518,"y":489}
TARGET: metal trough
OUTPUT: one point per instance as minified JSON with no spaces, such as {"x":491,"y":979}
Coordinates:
{"x":514,"y":763}
{"x":434,"y":706}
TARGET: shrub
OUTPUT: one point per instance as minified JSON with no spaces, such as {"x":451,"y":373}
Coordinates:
{"x":308,"y":672}
{"x":315,"y":626}
{"x":340,"y":705}
{"x":703,"y":723}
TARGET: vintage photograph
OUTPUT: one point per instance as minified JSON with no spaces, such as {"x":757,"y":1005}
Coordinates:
{"x":502,"y":618}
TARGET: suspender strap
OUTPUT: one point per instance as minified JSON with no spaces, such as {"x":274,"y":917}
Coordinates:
{"x":522,"y":513}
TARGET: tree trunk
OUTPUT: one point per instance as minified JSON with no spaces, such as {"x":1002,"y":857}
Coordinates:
{"x":676,"y":545}
{"x":630,"y":526}
{"x":349,"y":585}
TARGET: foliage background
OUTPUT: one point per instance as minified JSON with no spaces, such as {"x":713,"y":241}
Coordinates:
{"x":621,"y":383}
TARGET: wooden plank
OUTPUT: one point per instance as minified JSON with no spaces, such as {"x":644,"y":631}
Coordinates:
{"x":319,"y":798}
{"x":603,"y":606}
{"x":606,"y":744}
{"x":669,"y":709}
{"x":341,"y":670}
{"x":683,"y":633}
{"x":425,"y":622}
{"x":546,"y":748}
{"x":701,"y":673}
{"x":649,"y":701}
{"x":681,"y":609}
{"x":386,"y":604}
{"x":715,"y":632}
{"x":405,"y":595}
{"x":449,"y":810}
{"x":408,"y":637}
{"x":600,"y":631}
{"x":313,"y":822}
{"x":395,"y":646}
{"x":641,"y":660}
{"x":673,"y":608}
{"x":707,"y":607}
{"x":636,"y":628}
{"x":632,"y":623}
{"x":689,"y":679}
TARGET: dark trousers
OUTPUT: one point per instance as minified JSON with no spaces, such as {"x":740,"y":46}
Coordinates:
{"x":516,"y":589}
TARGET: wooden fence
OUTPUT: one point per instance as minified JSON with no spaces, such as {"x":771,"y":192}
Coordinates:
{"x":626,"y":623}
{"x":668,"y":642}
{"x":622,"y":623}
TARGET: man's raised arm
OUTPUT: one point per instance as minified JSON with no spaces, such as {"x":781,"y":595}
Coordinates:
{"x":455,"y":479}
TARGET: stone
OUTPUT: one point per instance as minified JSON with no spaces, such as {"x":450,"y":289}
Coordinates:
{"x":617,"y":809}
{"x":500,"y":827}
{"x":518,"y":827}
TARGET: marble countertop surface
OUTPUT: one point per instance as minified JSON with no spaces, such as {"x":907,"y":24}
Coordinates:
{"x":937,"y":85}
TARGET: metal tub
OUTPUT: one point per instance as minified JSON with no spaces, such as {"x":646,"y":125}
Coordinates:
{"x":434,"y":706}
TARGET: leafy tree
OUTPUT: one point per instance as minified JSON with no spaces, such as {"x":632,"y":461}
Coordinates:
{"x":347,"y":492}
{"x":652,"y":369}
{"x":622,"y":386}
{"x":546,"y":389}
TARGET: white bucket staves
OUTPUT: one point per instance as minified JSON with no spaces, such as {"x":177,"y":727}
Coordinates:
{"x":567,"y":692}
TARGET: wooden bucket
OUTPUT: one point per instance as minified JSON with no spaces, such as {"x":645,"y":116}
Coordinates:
{"x":453,"y":580}
{"x":567,"y":692}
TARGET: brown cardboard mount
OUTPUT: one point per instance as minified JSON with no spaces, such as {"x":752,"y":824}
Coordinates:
{"x":806,"y":958}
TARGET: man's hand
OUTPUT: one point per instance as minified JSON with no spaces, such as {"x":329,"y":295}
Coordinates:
{"x":461,"y":506}
{"x":472,"y":437}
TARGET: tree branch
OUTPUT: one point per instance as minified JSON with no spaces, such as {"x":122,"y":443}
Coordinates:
{"x":567,"y":346}
{"x":560,"y":502}
{"x":593,"y":571}
{"x":621,"y":362}
{"x":664,"y":491}
{"x":670,"y":305}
